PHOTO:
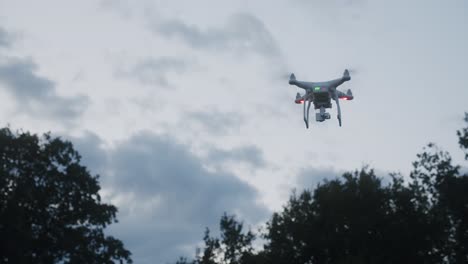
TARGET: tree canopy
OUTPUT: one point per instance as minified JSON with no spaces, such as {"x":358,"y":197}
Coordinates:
{"x":50,"y":207}
{"x":357,"y":218}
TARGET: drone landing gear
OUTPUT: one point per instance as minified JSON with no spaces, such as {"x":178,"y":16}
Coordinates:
{"x":306,"y":115}
{"x":339,"y":109}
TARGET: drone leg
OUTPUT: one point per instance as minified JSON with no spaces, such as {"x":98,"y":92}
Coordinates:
{"x":338,"y":109}
{"x":306,"y":118}
{"x":308,"y":110}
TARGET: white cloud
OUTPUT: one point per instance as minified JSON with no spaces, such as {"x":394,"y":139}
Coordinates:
{"x":153,"y":71}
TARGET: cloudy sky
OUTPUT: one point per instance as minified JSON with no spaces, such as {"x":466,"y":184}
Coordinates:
{"x":183,"y":107}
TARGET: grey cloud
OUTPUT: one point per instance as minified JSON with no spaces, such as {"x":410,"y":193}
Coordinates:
{"x":243,"y":32}
{"x":5,"y":38}
{"x":36,"y":94}
{"x":215,"y":121}
{"x":25,"y":84}
{"x":251,"y":155}
{"x":92,"y":151}
{"x":168,"y":197}
{"x":154,"y":70}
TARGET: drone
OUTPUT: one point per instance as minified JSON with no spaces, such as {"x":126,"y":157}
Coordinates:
{"x":321,"y":94}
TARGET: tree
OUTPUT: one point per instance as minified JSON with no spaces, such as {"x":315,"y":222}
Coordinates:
{"x":211,"y":250}
{"x":234,"y":246}
{"x":50,"y":207}
{"x":353,"y":220}
{"x":444,"y":192}
{"x":463,"y":137}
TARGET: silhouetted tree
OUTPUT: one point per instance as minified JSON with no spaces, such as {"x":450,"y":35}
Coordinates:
{"x":445,"y":194}
{"x":211,"y":250}
{"x":354,"y":220}
{"x":463,"y":137}
{"x":50,"y":208}
{"x":236,"y":245}
{"x":233,"y":247}
{"x":183,"y":260}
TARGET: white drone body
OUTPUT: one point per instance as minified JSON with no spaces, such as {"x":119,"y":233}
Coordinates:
{"x":321,"y":94}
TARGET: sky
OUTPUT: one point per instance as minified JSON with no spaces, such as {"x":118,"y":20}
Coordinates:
{"x":184,"y":110}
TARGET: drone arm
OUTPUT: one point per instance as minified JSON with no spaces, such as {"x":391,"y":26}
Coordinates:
{"x":346,"y":77}
{"x":303,"y":85}
{"x":339,"y":94}
{"x":345,"y":96}
{"x":338,"y":82}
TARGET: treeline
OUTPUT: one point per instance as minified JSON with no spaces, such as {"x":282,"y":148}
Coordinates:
{"x":359,"y":219}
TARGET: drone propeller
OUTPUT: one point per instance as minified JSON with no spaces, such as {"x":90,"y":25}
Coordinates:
{"x":284,"y":76}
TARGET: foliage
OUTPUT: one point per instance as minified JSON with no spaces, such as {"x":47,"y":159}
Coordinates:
{"x":50,"y":207}
{"x":234,"y":246}
{"x":463,"y":137}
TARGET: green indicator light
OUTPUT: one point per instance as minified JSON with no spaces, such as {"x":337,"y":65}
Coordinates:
{"x":317,"y":88}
